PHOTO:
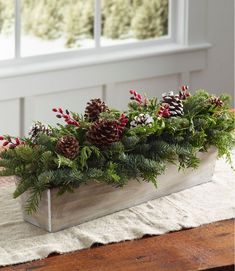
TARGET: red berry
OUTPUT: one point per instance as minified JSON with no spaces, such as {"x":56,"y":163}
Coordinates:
{"x":17,"y":141}
{"x":60,"y":110}
{"x":5,"y":143}
{"x":54,"y":110}
{"x":1,"y":138}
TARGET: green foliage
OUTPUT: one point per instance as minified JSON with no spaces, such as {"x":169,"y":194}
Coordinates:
{"x":116,"y":18}
{"x":150,"y":19}
{"x":46,"y":13}
{"x":140,"y":19}
{"x":86,"y":153}
{"x":142,"y":152}
{"x":78,"y":21}
{"x":6,"y":17}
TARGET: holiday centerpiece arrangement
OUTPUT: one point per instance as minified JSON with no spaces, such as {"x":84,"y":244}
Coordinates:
{"x":100,"y":152}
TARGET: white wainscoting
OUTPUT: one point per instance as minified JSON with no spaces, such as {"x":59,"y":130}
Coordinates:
{"x":117,"y":95}
{"x":39,"y":107}
{"x":10,"y":117}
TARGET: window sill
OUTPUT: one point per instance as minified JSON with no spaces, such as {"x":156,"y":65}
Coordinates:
{"x":24,"y":80}
{"x":22,"y":69}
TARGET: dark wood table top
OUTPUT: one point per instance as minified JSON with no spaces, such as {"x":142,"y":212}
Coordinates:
{"x":209,"y":247}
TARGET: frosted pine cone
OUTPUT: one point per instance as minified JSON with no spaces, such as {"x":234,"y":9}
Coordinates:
{"x":94,"y":108}
{"x":68,"y":146}
{"x":216,"y":101}
{"x":142,"y":119}
{"x":174,"y":102}
{"x":37,"y":129}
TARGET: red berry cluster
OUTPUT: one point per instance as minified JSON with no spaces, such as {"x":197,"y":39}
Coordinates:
{"x":184,"y":93}
{"x":164,"y":111}
{"x":12,"y":143}
{"x":66,"y":116}
{"x":136,"y":96}
{"x":122,"y":122}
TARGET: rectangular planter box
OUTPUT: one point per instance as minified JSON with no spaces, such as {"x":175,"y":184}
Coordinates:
{"x":97,"y":199}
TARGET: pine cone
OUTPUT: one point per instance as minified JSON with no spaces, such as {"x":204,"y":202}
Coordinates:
{"x":104,"y":132}
{"x":37,"y":129}
{"x":94,"y":108}
{"x":216,"y":101}
{"x":142,"y":119}
{"x":174,"y":102}
{"x":68,"y":146}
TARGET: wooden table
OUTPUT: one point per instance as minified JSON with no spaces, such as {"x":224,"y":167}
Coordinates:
{"x":210,"y":247}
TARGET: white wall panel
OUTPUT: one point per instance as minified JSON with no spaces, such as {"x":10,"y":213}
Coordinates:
{"x":10,"y":117}
{"x":218,"y":76}
{"x":117,"y":95}
{"x":40,"y":107}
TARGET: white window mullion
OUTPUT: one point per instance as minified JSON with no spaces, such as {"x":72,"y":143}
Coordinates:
{"x":17,"y":28}
{"x":170,"y":19}
{"x":97,"y":23}
{"x":181,"y":21}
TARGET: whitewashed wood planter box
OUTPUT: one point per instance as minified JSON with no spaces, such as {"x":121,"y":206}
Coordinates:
{"x":96,"y":199}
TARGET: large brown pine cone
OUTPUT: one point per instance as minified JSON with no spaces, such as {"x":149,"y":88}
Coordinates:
{"x":68,"y":146}
{"x":104,"y":132}
{"x":174,"y":102}
{"x":94,"y":108}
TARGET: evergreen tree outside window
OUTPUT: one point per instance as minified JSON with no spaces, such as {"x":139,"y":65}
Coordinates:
{"x":133,"y":20}
{"x":6,"y":29}
{"x":51,"y":26}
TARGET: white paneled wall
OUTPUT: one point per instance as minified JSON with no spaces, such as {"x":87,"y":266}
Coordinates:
{"x":117,"y":95}
{"x":40,"y":107}
{"x":218,"y":76}
{"x":10,"y":117}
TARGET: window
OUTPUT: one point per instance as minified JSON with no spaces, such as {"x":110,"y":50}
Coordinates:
{"x":6,"y":29}
{"x":40,"y":27}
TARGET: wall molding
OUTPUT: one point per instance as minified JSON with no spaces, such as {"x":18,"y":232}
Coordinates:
{"x":187,"y":59}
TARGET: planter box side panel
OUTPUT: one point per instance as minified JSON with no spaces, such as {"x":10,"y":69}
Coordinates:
{"x":98,"y":199}
{"x":42,"y":218}
{"x":174,"y":181}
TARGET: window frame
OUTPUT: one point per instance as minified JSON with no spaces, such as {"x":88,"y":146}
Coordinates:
{"x":170,"y":38}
